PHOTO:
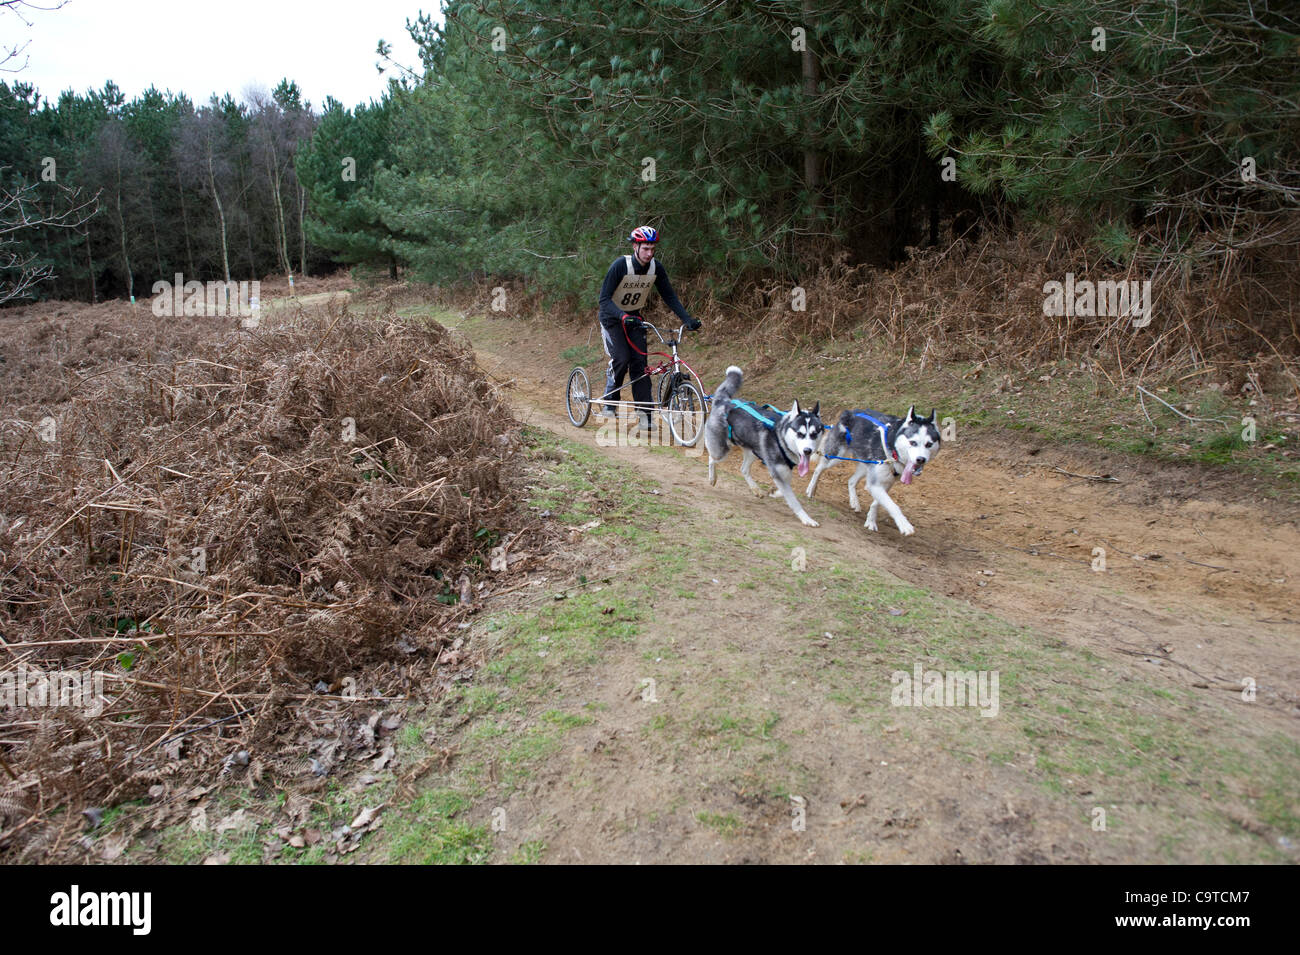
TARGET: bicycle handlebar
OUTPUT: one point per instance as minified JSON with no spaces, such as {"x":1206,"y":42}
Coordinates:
{"x":682,"y":329}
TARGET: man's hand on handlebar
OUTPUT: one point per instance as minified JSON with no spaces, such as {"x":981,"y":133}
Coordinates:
{"x":633,"y":321}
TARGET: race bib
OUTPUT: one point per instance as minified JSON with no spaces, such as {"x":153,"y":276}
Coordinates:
{"x":634,"y":289}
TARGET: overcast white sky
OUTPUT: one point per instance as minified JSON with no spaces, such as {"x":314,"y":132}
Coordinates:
{"x":201,"y":48}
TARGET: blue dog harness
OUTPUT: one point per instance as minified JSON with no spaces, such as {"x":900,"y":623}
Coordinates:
{"x":768,"y":423}
{"x":884,"y":436}
{"x":754,"y":412}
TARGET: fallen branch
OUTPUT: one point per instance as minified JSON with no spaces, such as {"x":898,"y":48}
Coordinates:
{"x":1104,"y":478}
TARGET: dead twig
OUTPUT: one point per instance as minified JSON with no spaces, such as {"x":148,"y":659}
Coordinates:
{"x":1104,"y":478}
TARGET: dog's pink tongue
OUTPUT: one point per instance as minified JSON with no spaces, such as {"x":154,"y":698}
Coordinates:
{"x":907,"y":472}
{"x":803,"y":464}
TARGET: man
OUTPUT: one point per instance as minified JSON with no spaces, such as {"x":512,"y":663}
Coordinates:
{"x":623,"y":297}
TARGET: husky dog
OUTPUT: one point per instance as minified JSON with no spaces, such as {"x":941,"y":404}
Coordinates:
{"x":782,"y":441}
{"x":886,"y":447}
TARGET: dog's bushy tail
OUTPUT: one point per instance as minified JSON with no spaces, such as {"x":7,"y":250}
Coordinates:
{"x":730,"y":386}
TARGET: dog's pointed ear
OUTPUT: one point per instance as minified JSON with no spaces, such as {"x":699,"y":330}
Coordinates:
{"x":794,"y":409}
{"x":931,"y":418}
{"x":911,"y":415}
{"x":817,"y":410}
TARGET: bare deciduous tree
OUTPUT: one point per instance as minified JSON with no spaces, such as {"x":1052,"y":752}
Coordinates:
{"x":201,"y":151}
{"x":24,"y":206}
{"x":12,"y":50}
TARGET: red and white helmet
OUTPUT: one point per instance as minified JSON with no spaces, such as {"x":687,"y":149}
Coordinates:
{"x":644,"y":233}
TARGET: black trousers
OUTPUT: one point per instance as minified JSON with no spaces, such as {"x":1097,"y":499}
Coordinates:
{"x":625,"y":360}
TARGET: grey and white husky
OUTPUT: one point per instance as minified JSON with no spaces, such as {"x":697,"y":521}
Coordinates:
{"x":782,"y":441}
{"x":885,"y":448}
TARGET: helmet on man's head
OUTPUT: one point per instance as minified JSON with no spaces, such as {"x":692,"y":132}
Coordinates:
{"x":644,"y":233}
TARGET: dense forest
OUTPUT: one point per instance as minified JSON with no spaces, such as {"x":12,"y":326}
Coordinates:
{"x":135,"y":191}
{"x":760,"y":136}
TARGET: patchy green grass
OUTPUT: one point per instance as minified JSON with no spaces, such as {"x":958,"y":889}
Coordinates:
{"x":428,"y":832}
{"x":585,"y":355}
{"x":582,"y":484}
{"x":433,"y":312}
{"x":530,"y":853}
{"x":251,"y":844}
{"x":565,"y":634}
{"x":1085,"y":725}
{"x":566,"y":720}
{"x":724,"y":824}
{"x":182,"y":845}
{"x":511,"y":719}
{"x":478,"y":700}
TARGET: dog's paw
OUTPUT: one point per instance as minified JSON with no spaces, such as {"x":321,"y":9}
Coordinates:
{"x":855,"y":504}
{"x":870,"y":524}
{"x":905,"y":528}
{"x":808,"y":521}
{"x":776,"y":492}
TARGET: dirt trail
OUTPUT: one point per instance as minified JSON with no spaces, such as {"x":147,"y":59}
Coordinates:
{"x":1218,"y":582}
{"x":1195,"y":593}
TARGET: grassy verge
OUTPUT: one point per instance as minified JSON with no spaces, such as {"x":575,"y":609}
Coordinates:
{"x":517,"y":713}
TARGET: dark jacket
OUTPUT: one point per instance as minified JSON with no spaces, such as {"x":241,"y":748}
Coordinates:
{"x":611,"y":315}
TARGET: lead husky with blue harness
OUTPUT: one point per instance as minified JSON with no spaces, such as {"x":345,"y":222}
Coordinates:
{"x":782,"y":440}
{"x":884,"y":447}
